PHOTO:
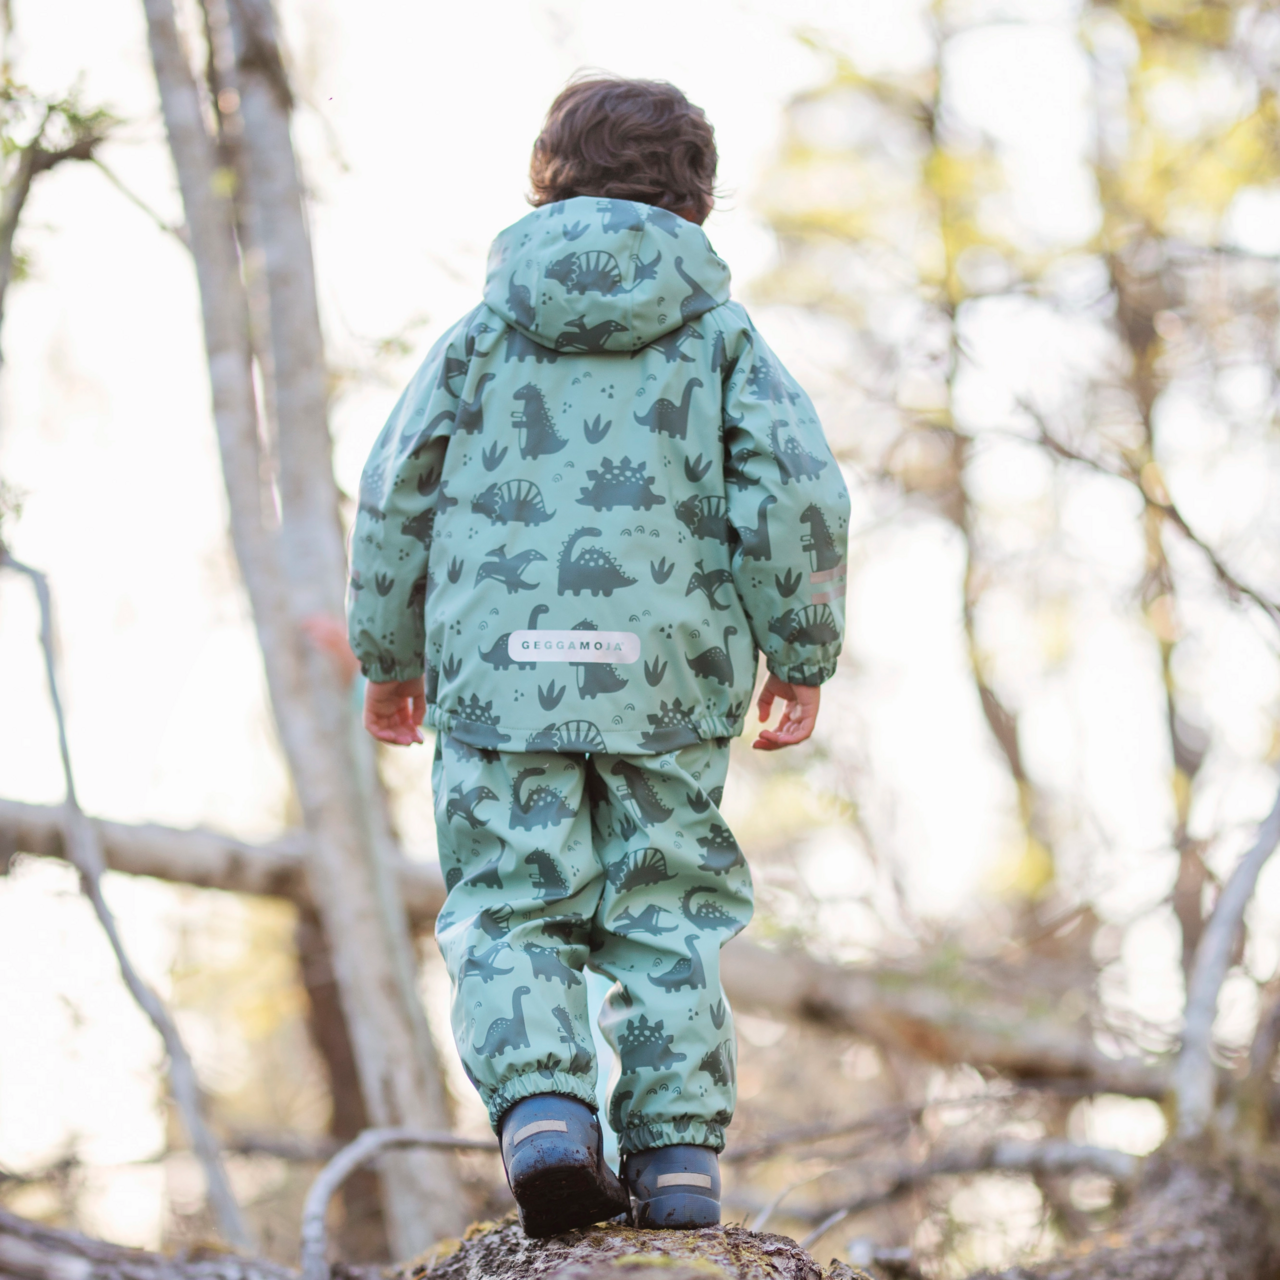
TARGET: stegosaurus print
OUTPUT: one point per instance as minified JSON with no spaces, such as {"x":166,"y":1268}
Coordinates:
{"x":643,"y":1044}
{"x":720,"y":851}
{"x":623,"y":484}
{"x":672,"y":727}
{"x":480,"y":723}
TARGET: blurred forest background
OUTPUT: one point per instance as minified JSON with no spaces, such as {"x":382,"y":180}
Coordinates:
{"x":1013,"y":986}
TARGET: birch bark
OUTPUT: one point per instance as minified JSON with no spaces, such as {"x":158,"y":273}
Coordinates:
{"x":298,"y":571}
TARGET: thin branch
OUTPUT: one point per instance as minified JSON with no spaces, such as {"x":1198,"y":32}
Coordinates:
{"x":1005,"y":1156}
{"x":84,"y":851}
{"x":1164,"y":507}
{"x":179,"y":233}
{"x":1194,"y":1077}
{"x":371,"y":1143}
{"x":904,"y":1114}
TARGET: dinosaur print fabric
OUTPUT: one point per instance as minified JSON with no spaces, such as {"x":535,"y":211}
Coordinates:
{"x":620,"y":862}
{"x":605,"y":445}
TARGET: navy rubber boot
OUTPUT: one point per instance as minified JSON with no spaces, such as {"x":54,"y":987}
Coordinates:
{"x":553,"y":1151}
{"x":674,"y":1187}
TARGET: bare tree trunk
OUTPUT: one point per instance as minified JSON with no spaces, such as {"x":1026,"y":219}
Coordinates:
{"x":399,"y":1074}
{"x":363,"y":1237}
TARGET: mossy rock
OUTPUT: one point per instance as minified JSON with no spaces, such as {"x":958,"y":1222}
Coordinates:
{"x":501,"y":1251}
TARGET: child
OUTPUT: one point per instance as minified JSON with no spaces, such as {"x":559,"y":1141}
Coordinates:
{"x":599,"y":498}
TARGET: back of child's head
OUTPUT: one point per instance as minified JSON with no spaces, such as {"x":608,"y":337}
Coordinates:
{"x":626,"y":140}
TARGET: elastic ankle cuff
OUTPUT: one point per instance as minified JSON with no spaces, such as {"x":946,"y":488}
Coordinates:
{"x":670,"y":1133}
{"x":512,"y":1091}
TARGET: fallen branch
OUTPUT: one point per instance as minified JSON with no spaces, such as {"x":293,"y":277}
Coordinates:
{"x":81,"y":843}
{"x":370,"y":1144}
{"x":206,"y":859}
{"x":918,"y":1016}
{"x":29,"y":1251}
{"x":1194,"y":1077}
{"x":894,"y":1008}
{"x":1008,"y":1156}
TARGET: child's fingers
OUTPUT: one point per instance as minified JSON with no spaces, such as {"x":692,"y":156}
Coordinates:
{"x":764,"y":707}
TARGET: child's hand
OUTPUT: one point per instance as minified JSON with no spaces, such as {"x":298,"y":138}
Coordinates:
{"x":798,"y":719}
{"x":393,"y":712}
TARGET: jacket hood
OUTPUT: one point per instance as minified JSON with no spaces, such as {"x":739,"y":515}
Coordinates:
{"x":589,"y":275}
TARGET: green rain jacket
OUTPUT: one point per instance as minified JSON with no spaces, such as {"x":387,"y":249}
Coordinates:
{"x":598,"y":498}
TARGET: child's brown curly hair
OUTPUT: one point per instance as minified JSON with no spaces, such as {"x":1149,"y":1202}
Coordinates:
{"x":627,"y":140}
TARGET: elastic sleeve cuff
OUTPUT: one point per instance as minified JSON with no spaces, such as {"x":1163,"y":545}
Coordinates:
{"x":806,"y":673}
{"x":377,"y":673}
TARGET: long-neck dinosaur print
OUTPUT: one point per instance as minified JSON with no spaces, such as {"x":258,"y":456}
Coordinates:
{"x":542,"y":807}
{"x":487,"y":877}
{"x":593,"y":569}
{"x":818,"y":542}
{"x":668,"y":418}
{"x":794,"y":461}
{"x":498,"y":655}
{"x":636,"y":787}
{"x":470,"y":412}
{"x":686,"y":972}
{"x":506,"y":1033}
{"x":699,"y":301}
{"x":753,"y":544}
{"x":520,"y":300}
{"x":707,"y":914}
{"x":509,"y":570}
{"x":539,"y":431}
{"x":714,"y":663}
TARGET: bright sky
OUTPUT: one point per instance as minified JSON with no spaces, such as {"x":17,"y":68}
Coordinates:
{"x":415,"y":131}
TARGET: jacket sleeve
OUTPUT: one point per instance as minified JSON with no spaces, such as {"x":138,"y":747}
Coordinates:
{"x":391,"y":543}
{"x":788,"y":510}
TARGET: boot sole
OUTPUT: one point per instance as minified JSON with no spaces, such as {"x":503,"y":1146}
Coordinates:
{"x":555,"y":1199}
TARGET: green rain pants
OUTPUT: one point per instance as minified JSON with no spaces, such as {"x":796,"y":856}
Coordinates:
{"x":620,"y":862}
